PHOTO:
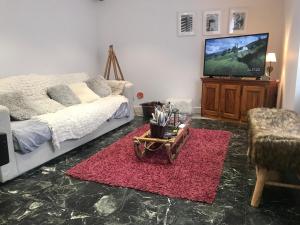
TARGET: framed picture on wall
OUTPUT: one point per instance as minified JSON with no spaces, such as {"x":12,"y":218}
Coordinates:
{"x":212,"y":22}
{"x":238,"y":21}
{"x":185,"y":21}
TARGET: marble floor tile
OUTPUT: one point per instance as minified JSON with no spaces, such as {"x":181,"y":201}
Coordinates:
{"x":47,"y":196}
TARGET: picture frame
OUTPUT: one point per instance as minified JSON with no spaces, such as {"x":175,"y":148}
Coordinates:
{"x":212,"y":22}
{"x":238,"y":21}
{"x":185,"y":23}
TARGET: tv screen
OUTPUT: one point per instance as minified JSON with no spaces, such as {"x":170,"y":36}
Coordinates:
{"x":240,"y":56}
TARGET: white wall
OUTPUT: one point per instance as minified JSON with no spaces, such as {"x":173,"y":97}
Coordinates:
{"x":158,"y":62}
{"x":61,"y":36}
{"x":291,"y":63}
{"x":48,"y":36}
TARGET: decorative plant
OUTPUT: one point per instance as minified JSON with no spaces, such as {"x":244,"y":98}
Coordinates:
{"x":162,"y":115}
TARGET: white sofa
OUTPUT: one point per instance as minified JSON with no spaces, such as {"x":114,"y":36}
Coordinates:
{"x":20,"y":163}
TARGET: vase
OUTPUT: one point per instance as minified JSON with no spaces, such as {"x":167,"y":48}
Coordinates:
{"x":157,"y":131}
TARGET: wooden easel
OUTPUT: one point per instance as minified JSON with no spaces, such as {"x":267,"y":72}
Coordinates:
{"x":112,"y":60}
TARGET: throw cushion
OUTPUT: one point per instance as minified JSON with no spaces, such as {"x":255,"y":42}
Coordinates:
{"x":18,"y":106}
{"x":99,"y":86}
{"x":117,"y":86}
{"x":63,"y":94}
{"x":82,"y":91}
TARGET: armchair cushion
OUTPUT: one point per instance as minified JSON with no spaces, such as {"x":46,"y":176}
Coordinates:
{"x":275,"y":139}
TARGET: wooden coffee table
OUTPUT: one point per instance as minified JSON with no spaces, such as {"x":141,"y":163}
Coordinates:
{"x":172,"y":146}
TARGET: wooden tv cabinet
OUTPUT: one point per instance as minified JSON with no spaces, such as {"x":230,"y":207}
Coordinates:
{"x":230,"y":99}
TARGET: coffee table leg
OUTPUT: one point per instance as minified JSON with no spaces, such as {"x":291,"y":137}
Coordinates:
{"x":138,"y":151}
{"x":169,"y":152}
{"x":180,"y":143}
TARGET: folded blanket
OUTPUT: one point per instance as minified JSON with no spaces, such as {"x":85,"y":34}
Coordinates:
{"x":28,"y":135}
{"x":123,"y":111}
{"x":79,"y":120}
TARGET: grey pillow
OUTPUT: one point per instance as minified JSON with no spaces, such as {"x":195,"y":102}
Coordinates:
{"x":19,"y":107}
{"x":117,"y":86}
{"x":63,"y":94}
{"x":99,"y":86}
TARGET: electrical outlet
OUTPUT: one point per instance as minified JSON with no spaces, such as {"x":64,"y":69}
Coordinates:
{"x":140,"y":95}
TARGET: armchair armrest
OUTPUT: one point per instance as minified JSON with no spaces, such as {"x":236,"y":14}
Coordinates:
{"x":9,"y":170}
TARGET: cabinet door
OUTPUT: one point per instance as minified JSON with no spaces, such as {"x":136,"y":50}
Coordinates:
{"x":230,"y":101}
{"x":252,"y":97}
{"x":210,"y":99}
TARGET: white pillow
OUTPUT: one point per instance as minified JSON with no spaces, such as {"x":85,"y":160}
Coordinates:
{"x":117,"y":86}
{"x":82,"y":91}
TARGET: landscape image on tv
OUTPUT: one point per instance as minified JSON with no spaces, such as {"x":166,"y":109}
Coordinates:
{"x":236,"y":56}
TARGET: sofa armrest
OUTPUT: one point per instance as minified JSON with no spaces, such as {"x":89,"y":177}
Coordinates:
{"x":129,"y":93}
{"x":4,"y":120}
{"x":4,"y":109}
{"x":9,"y":170}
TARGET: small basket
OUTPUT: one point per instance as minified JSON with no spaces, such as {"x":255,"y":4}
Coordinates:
{"x":148,"y":108}
{"x":157,"y":131}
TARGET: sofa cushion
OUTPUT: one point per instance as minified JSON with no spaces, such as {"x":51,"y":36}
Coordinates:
{"x":63,"y":94}
{"x":82,"y":91}
{"x":116,"y":86}
{"x":19,"y":107}
{"x":99,"y":86}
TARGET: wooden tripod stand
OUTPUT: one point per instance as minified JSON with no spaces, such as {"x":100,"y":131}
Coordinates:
{"x":112,"y":60}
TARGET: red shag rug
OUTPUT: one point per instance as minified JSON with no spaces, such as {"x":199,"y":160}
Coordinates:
{"x":195,"y":175}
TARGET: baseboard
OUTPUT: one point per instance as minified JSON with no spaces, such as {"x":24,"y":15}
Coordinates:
{"x":138,"y":111}
{"x":196,"y":111}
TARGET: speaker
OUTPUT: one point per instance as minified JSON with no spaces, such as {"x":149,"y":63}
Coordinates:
{"x":4,"y":157}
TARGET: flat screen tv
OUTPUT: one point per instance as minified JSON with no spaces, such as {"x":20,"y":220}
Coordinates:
{"x":236,"y":56}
